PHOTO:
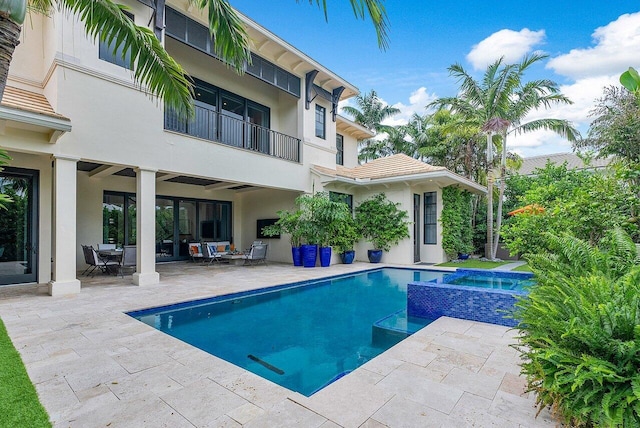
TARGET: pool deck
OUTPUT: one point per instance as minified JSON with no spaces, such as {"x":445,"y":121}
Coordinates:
{"x":95,"y":366}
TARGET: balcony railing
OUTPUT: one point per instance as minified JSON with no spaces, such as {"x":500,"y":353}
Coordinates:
{"x":212,"y":125}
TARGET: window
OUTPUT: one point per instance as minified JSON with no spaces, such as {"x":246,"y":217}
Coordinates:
{"x":342,"y":197}
{"x":430,"y":218}
{"x":186,"y":30}
{"x":321,"y":114}
{"x":339,"y":149}
{"x":119,"y":218}
{"x":105,"y":51}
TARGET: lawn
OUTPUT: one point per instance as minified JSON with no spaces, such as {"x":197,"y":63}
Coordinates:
{"x":19,"y":404}
{"x":524,"y":268}
{"x":473,"y":264}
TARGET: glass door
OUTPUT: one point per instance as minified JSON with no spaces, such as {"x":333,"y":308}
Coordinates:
{"x":165,"y":229}
{"x":18,"y":233}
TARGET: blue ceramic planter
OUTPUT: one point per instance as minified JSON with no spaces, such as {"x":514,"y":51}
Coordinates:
{"x":374,"y":255}
{"x":325,"y":256}
{"x":348,"y":256}
{"x":309,"y":255}
{"x":296,"y":254}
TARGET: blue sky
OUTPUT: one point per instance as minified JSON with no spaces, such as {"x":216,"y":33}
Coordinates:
{"x":589,"y":44}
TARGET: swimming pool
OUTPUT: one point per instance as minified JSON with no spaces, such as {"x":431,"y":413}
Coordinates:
{"x":306,"y":335}
{"x":301,"y":336}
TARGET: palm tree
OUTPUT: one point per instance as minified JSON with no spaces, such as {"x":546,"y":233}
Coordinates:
{"x":370,"y":113}
{"x":153,"y":67}
{"x":499,"y":103}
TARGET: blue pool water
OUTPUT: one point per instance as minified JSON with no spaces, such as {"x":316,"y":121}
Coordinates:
{"x":497,"y":280}
{"x":302,"y":337}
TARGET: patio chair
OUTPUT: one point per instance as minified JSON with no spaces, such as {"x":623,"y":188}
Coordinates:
{"x":129,"y":258}
{"x":195,"y":251}
{"x":257,"y":254}
{"x":94,"y":261}
{"x":211,"y":253}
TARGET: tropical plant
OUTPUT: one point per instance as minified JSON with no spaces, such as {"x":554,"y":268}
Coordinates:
{"x":499,"y":104}
{"x":456,"y":219}
{"x":381,"y":222}
{"x":370,"y":112}
{"x":615,"y":131}
{"x":347,"y":234}
{"x":578,"y":331}
{"x":630,"y":79}
{"x":4,"y":160}
{"x":583,"y":203}
{"x":153,"y":68}
{"x":288,"y":223}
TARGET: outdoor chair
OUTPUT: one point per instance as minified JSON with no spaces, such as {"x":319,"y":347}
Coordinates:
{"x":195,"y":251}
{"x":129,"y":258}
{"x":94,"y":261}
{"x":211,"y":253}
{"x":257,"y":254}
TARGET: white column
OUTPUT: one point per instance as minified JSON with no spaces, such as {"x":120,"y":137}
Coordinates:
{"x":64,"y":250}
{"x":146,"y":228}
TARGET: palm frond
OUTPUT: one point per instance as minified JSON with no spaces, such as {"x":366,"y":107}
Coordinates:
{"x":559,"y":126}
{"x":153,"y":68}
{"x":231,"y":41}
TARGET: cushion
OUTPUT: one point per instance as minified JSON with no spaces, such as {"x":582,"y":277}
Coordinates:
{"x":221,"y":248}
{"x":195,"y":249}
{"x":232,"y":247}
{"x":227,"y":247}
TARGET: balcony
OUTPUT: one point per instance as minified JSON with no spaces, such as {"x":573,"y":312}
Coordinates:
{"x":212,"y":125}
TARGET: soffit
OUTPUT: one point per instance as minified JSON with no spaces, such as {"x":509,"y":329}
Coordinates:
{"x":346,"y":126}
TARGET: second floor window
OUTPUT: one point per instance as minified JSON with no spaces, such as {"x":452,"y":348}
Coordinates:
{"x":321,"y":114}
{"x":339,"y":149}
{"x":106,"y":53}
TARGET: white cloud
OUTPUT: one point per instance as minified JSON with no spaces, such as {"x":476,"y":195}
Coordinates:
{"x":616,"y":48}
{"x":512,"y":45}
{"x":418,"y":101}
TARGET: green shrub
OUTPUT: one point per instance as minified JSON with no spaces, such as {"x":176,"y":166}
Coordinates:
{"x":457,"y":234}
{"x":580,"y":331}
{"x":382,"y":222}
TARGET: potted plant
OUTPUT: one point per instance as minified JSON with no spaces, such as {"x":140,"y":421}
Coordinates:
{"x":382,"y":223}
{"x":309,"y":230}
{"x":345,"y":238}
{"x":333,"y":219}
{"x":289,"y":223}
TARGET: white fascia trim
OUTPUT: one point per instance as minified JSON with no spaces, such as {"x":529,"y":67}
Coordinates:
{"x":304,"y":57}
{"x":413,"y":177}
{"x":36,"y":119}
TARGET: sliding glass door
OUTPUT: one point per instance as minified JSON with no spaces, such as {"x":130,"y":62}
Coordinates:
{"x":18,"y":226}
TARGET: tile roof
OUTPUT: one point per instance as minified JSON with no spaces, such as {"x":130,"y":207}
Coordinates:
{"x":393,"y":166}
{"x":24,"y":100}
{"x":573,"y":162}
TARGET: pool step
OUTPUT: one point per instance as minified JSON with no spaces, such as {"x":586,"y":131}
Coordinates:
{"x":395,"y":327}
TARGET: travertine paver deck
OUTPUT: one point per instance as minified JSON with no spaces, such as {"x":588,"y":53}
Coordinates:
{"x":95,"y":366}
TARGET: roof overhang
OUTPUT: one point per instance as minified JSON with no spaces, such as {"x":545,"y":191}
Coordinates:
{"x":268,"y":45}
{"x":22,"y":119}
{"x":346,"y":126}
{"x":442,"y":178}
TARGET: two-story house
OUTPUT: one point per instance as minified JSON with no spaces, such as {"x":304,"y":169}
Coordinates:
{"x":95,"y":160}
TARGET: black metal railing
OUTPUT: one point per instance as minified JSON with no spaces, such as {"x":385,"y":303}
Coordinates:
{"x":212,"y":125}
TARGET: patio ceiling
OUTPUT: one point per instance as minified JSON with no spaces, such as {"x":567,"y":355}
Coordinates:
{"x":102,"y":170}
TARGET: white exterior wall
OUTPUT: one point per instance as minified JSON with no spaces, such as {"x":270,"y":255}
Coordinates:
{"x":350,"y":145}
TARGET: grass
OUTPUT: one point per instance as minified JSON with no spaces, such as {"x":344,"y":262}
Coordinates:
{"x":19,"y":404}
{"x":473,"y":264}
{"x":524,"y":268}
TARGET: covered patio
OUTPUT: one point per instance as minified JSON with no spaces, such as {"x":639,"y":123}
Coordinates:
{"x":95,"y":366}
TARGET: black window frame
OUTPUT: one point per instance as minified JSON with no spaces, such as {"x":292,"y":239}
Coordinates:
{"x":339,"y":149}
{"x":321,"y":122}
{"x":430,"y":218}
{"x":106,"y":53}
{"x":342,"y":197}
